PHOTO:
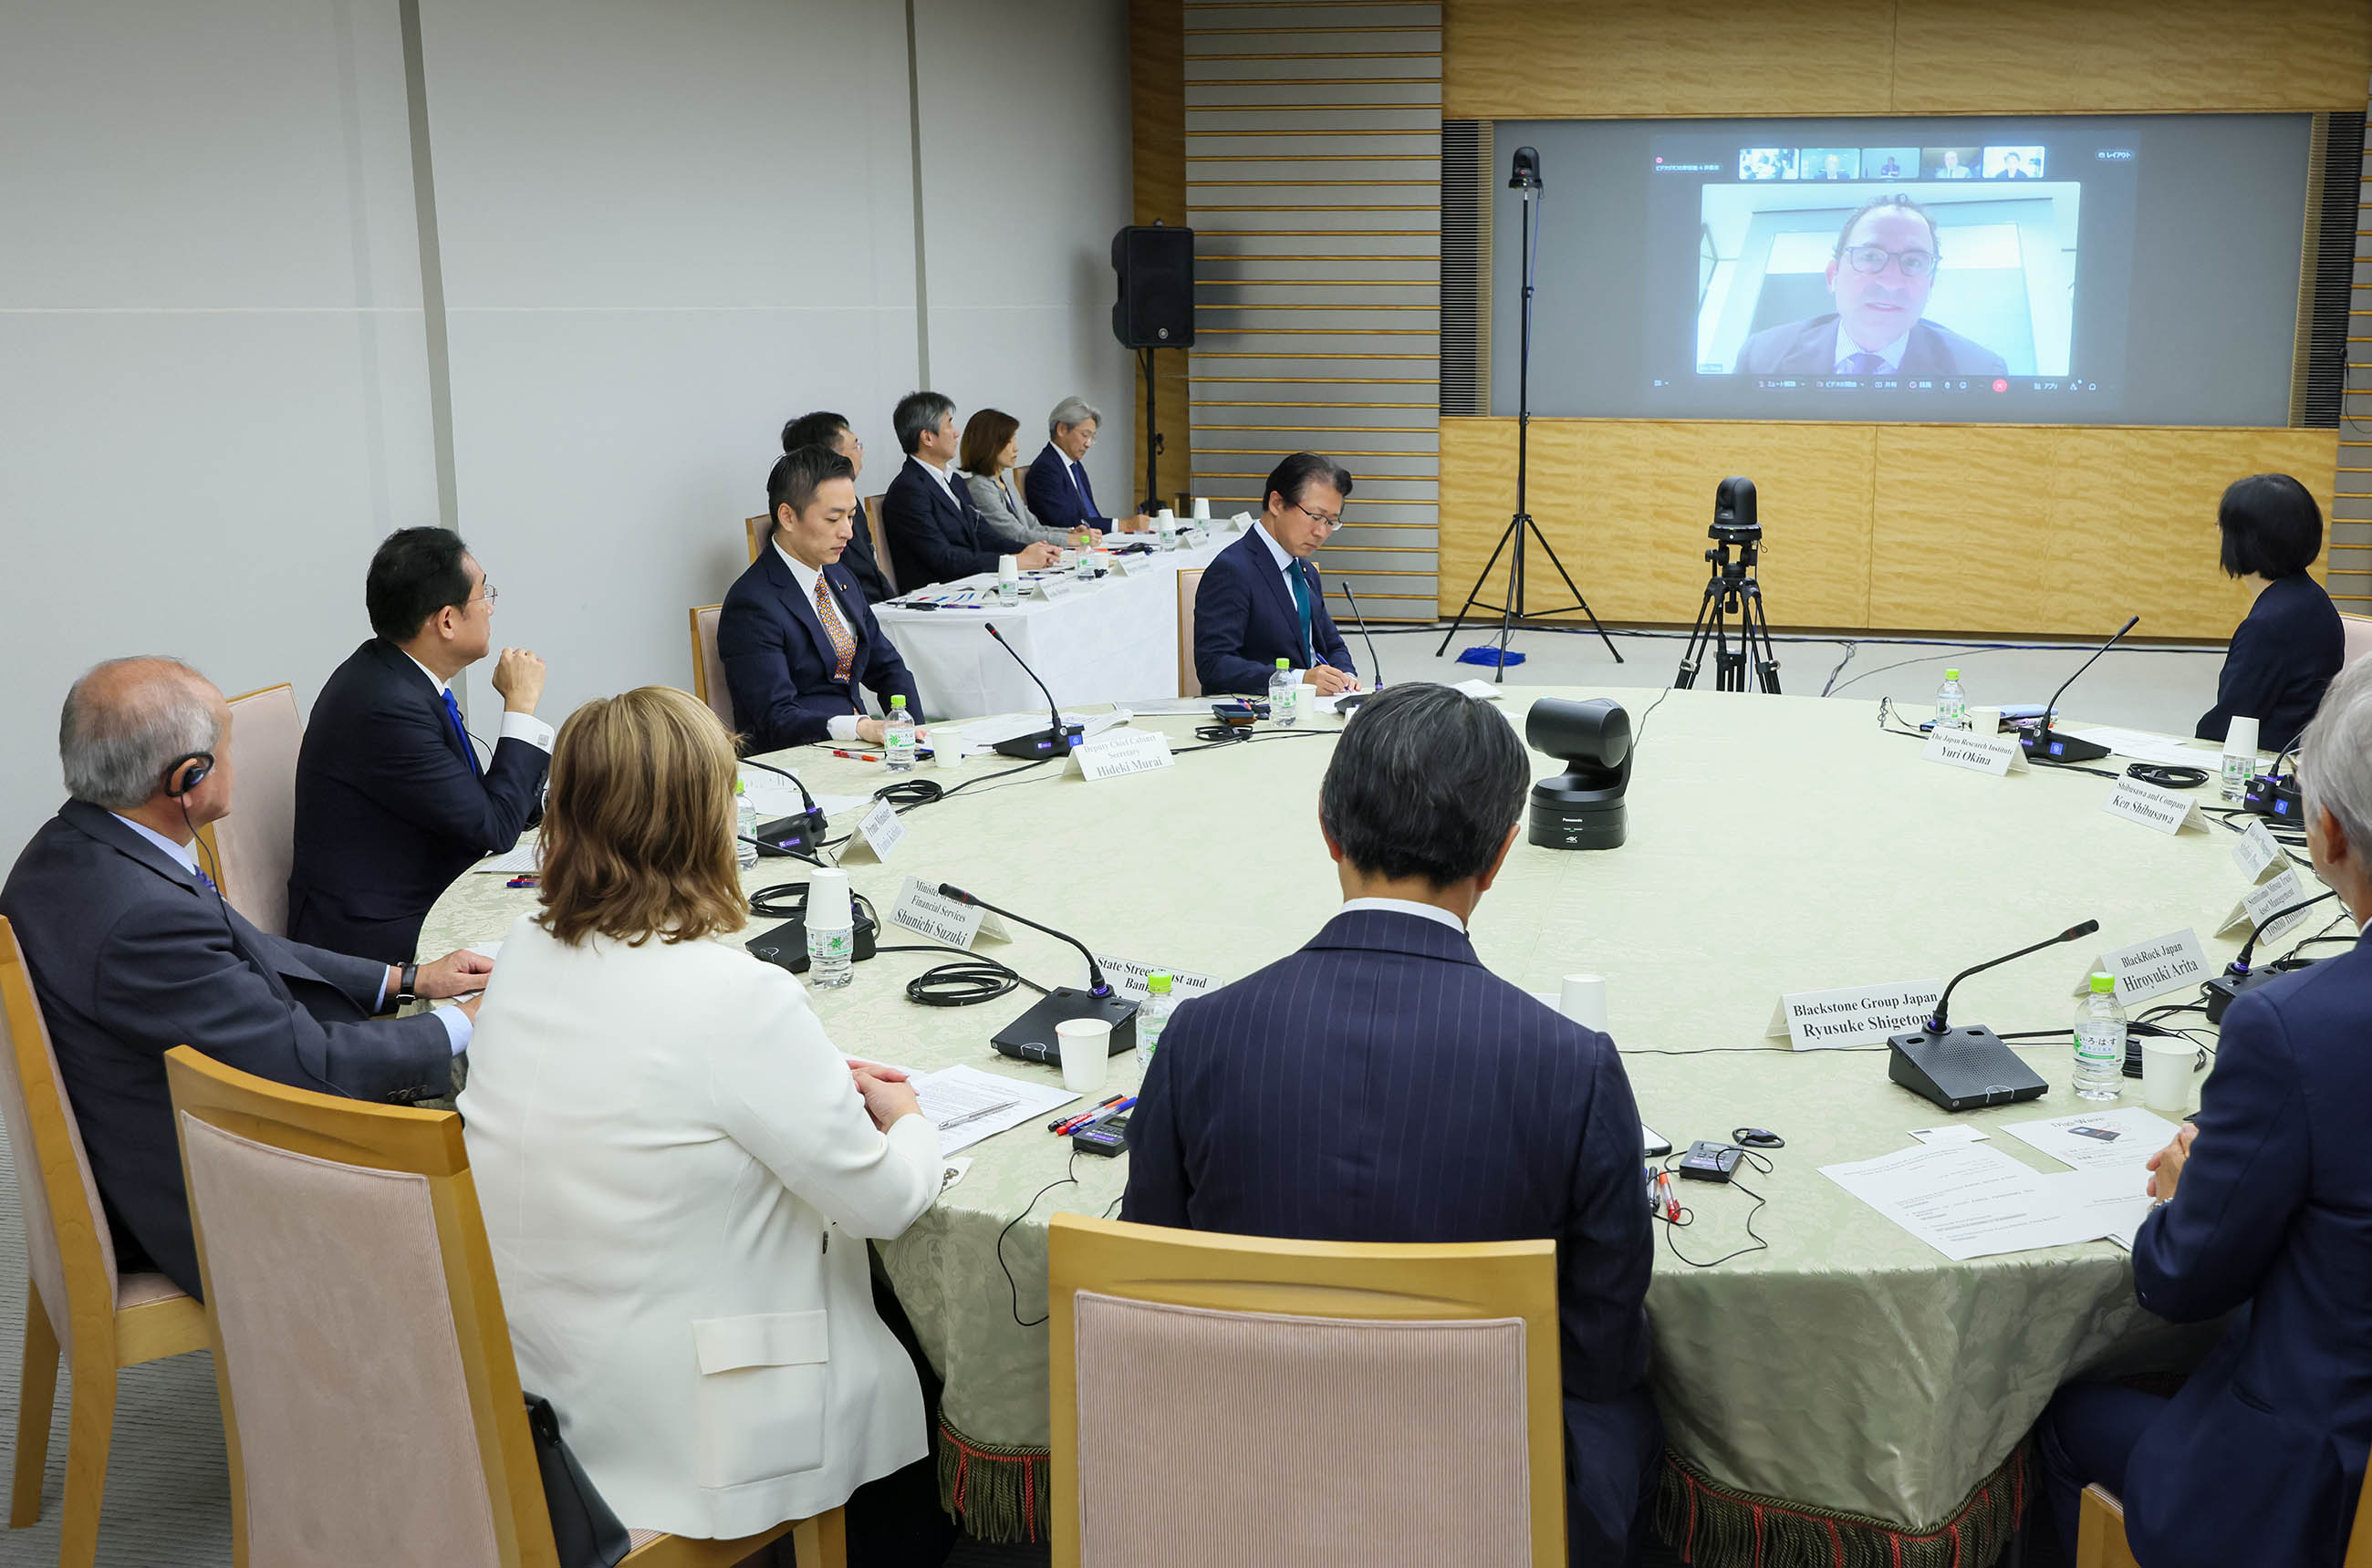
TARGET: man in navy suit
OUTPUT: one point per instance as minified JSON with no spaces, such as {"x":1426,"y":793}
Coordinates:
{"x":1260,"y":601}
{"x":132,"y":951}
{"x":1880,"y":275}
{"x":936,"y":533}
{"x":797,"y":637}
{"x":1057,"y":487}
{"x":1380,"y":1085}
{"x":392,"y":802}
{"x":2265,"y":1212}
{"x":830,"y":431}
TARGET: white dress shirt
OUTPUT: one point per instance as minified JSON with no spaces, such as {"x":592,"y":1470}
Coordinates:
{"x":1890,"y":358}
{"x":1406,"y":906}
{"x":840,"y":727}
{"x":458,"y":1027}
{"x":515,"y":727}
{"x":946,"y":476}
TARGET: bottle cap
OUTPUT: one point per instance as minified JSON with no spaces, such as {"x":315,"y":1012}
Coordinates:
{"x":2103,"y":983}
{"x":897,"y":703}
{"x":1284,"y":663}
{"x":1951,"y":675}
{"x":828,"y":907}
{"x":1157,"y":983}
{"x":740,"y":786}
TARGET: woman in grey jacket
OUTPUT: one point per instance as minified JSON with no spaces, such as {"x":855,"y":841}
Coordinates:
{"x":991,"y":448}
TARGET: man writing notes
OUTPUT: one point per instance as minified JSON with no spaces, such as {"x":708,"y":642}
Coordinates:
{"x":1880,"y":274}
{"x":935,"y":532}
{"x":1057,"y":488}
{"x":830,"y":431}
{"x":2264,"y":1214}
{"x":797,"y":637}
{"x":392,"y":801}
{"x":1260,"y":600}
{"x":132,"y":951}
{"x":1473,"y":1113}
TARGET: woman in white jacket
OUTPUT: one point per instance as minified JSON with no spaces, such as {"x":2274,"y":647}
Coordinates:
{"x":678,"y":1172}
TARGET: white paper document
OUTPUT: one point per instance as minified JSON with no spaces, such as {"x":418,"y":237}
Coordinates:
{"x":2110,"y":1203}
{"x":2143,"y":747}
{"x":1966,"y":1199}
{"x":521,"y":860}
{"x":2118,"y":1138}
{"x":1951,"y":1132}
{"x":1012,"y":726}
{"x":771,"y":794}
{"x":968,"y":1105}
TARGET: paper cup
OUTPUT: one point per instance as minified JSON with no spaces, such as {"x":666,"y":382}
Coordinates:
{"x":1086,"y":1045}
{"x":1582,"y":998}
{"x":2166,"y":1066}
{"x":1165,"y":516}
{"x":1201,"y":508}
{"x":1984,"y":721}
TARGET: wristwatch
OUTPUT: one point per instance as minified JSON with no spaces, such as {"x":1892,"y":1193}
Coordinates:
{"x":408,"y":987}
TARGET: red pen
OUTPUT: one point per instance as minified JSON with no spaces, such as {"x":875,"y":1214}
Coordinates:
{"x":857,"y":756}
{"x":1064,"y":1124}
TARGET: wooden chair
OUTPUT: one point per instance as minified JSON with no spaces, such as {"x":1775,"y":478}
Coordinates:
{"x":1189,"y":582}
{"x":2100,"y":1531}
{"x":2357,"y":629}
{"x":880,"y":541}
{"x":76,"y":1302}
{"x":370,"y":1395}
{"x":253,"y":847}
{"x":760,"y":530}
{"x":707,"y":668}
{"x":1238,"y":1400}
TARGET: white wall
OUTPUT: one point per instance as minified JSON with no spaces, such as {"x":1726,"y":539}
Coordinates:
{"x":664,"y":227}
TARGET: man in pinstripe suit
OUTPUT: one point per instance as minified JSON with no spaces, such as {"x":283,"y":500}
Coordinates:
{"x":1380,"y":1085}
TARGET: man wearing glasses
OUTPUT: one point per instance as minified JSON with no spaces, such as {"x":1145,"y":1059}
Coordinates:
{"x":393,"y":799}
{"x":1880,"y":275}
{"x":1260,"y":601}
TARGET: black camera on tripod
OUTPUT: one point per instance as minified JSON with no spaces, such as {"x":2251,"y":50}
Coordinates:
{"x":1732,"y":591}
{"x":1734,"y":521}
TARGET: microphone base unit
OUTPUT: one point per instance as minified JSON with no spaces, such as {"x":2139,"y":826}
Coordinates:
{"x":2275,"y":795}
{"x":790,"y":836}
{"x":786,"y":945}
{"x":1045,"y":743}
{"x":2053,"y":747}
{"x":1965,"y":1068}
{"x":2226,"y":989}
{"x":1031,"y":1036}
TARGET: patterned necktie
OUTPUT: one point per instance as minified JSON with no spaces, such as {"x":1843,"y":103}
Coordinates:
{"x":453,"y":712}
{"x":207,"y":882}
{"x":843,"y":644}
{"x":1862,"y":364}
{"x":1301,"y":605}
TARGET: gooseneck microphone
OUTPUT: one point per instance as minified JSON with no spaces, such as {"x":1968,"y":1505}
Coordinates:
{"x":1963,"y":1068}
{"x":796,"y":836}
{"x":2046,"y":747}
{"x":1034,"y":1036}
{"x":1057,"y":741}
{"x":1375,"y":665}
{"x":2237,"y":978}
{"x":1936,"y":1025}
{"x":1095,"y":970}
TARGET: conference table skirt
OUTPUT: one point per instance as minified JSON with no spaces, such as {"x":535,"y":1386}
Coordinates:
{"x":1845,"y":1385}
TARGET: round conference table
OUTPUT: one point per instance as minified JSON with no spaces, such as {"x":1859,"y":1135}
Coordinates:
{"x":1848,"y":1388}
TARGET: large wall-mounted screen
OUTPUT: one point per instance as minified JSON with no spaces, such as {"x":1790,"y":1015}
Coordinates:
{"x":2136,"y":269}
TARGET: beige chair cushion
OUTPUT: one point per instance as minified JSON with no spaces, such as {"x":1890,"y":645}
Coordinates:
{"x":342,"y":1359}
{"x":637,"y":1539}
{"x":143,"y":1290}
{"x":258,"y":840}
{"x":1190,"y":583}
{"x":2357,"y":629}
{"x":712,"y":667}
{"x":1321,"y":1442}
{"x":33,"y":1194}
{"x":873,"y":526}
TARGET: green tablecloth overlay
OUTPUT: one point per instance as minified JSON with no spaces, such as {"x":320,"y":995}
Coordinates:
{"x":1845,"y":1387}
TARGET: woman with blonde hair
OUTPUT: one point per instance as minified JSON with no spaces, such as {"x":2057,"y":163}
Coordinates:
{"x":679,"y":1171}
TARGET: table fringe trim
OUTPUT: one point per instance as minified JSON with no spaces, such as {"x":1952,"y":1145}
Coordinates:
{"x":996,"y":1492}
{"x":1705,"y":1522}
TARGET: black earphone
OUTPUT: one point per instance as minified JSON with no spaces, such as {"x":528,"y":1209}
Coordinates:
{"x":187,"y":772}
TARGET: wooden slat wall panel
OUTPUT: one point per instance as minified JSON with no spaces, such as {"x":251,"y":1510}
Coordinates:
{"x":2350,"y":559}
{"x":1157,"y":80}
{"x":1313,"y":182}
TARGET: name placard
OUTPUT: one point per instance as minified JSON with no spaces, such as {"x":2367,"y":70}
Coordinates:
{"x":1055,"y":588}
{"x":1994,"y":754}
{"x":1116,"y":752}
{"x":1858,"y":1015}
{"x":2258,"y":850}
{"x":2266,"y":899}
{"x":924,"y":913}
{"x":2161,"y":810}
{"x":878,"y":832}
{"x":2174,"y":962}
{"x":1128,"y":977}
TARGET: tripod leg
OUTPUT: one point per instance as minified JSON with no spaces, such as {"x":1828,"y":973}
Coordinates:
{"x":1479,"y":579}
{"x":1692,"y":656}
{"x":1767,"y":667}
{"x":1511,"y":609}
{"x":1579,"y":603}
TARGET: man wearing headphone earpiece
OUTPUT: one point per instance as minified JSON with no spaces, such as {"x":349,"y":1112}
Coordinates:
{"x":133,"y":950}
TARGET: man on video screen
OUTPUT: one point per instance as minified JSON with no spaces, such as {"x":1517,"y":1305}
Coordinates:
{"x":1880,"y":276}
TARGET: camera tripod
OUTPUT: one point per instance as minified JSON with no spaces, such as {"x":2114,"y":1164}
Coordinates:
{"x":1732,"y":590}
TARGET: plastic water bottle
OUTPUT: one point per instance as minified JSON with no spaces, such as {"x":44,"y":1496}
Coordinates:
{"x":1152,"y":1016}
{"x":897,"y":737}
{"x":1951,"y":703}
{"x":1166,"y":523}
{"x":2100,"y":1042}
{"x":1009,"y":580}
{"x":745,"y":826}
{"x":1285,"y":695}
{"x":831,"y":929}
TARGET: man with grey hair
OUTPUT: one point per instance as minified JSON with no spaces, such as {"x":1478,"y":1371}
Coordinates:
{"x":2264,"y":1212}
{"x":132,"y":951}
{"x":1057,"y":488}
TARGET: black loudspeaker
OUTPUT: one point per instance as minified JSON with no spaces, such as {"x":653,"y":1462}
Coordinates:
{"x":1156,"y":308}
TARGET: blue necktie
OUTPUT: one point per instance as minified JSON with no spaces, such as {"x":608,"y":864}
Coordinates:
{"x":207,"y":882}
{"x":1862,"y":364}
{"x":1079,"y":482}
{"x":453,"y":712}
{"x":1301,"y":604}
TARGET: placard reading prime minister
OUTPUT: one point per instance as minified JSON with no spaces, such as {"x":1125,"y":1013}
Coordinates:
{"x":1880,"y":276}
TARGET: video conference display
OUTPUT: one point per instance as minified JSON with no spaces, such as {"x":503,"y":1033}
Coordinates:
{"x":2067,"y":271}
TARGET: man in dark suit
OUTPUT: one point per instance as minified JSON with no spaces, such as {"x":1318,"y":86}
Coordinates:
{"x":1057,"y":487}
{"x":1260,"y":600}
{"x":2265,"y":1213}
{"x":391,"y":801}
{"x":936,"y":533}
{"x":1880,"y":276}
{"x":829,"y":431}
{"x":1380,"y":1085}
{"x":132,"y":951}
{"x":797,"y":637}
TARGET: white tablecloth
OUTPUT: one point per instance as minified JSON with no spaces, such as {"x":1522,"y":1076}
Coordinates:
{"x":1110,"y":641}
